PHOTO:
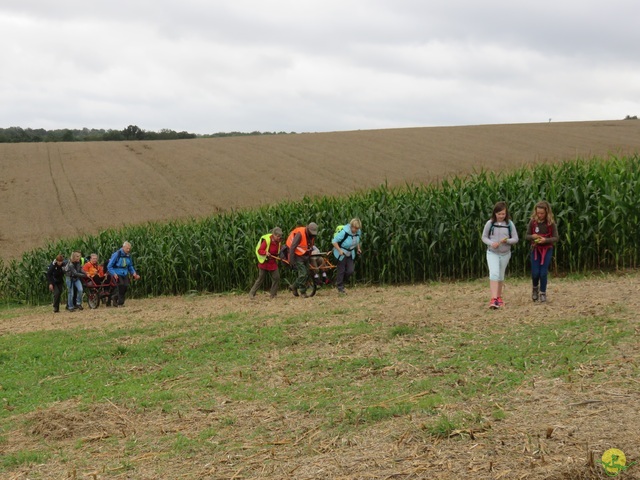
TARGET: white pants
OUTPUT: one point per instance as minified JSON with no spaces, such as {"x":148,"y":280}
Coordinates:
{"x":497,"y":265}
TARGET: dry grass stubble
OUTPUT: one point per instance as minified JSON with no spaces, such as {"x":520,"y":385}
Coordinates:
{"x":552,"y":428}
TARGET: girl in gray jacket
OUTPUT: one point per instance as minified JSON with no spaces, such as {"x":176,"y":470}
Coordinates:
{"x":499,"y":234}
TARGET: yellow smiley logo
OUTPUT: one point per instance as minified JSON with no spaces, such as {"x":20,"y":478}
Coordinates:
{"x":614,"y":461}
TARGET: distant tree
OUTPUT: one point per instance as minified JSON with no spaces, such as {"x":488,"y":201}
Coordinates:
{"x":133,"y":132}
{"x":186,"y":135}
{"x":17,"y":134}
{"x":167,"y":134}
{"x":113,"y":136}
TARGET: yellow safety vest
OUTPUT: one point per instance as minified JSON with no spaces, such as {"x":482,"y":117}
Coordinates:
{"x":266,"y":238}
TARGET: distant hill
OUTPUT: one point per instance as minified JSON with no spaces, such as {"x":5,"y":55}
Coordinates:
{"x":64,"y":189}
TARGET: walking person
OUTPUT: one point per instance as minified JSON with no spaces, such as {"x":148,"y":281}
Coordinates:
{"x":542,"y":232}
{"x":267,"y":251}
{"x":300,"y":244}
{"x":83,"y":261}
{"x":499,"y":234}
{"x":120,"y":266}
{"x":346,"y":244}
{"x":74,"y":274}
{"x":55,"y":279}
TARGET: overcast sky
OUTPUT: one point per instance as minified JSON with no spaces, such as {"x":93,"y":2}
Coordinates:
{"x":209,"y":66}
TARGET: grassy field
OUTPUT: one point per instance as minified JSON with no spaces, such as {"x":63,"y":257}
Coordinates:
{"x":399,"y":382}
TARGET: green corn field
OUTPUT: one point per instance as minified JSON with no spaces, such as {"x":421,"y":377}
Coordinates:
{"x":414,"y":233}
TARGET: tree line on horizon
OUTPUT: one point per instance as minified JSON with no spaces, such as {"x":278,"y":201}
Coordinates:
{"x":131,"y":132}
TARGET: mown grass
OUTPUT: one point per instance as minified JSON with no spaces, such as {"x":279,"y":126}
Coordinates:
{"x":341,"y":367}
{"x":21,"y":458}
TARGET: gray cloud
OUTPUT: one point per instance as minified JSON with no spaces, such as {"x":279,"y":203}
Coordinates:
{"x":299,"y":66}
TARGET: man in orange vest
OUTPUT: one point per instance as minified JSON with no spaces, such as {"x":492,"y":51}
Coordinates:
{"x":300,"y":243}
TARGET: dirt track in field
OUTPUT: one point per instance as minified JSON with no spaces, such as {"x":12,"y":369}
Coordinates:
{"x":54,"y":190}
{"x":551,"y":429}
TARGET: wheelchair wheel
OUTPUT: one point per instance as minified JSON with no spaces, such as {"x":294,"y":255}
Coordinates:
{"x":93,"y":298}
{"x":311,"y":287}
{"x":310,"y":284}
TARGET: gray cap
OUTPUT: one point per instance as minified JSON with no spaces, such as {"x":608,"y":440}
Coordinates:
{"x":313,"y":228}
{"x":277,"y":231}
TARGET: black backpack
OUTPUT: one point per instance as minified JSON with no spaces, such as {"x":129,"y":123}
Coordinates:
{"x":493,"y":225}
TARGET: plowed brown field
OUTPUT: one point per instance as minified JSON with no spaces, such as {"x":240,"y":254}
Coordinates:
{"x":54,"y":190}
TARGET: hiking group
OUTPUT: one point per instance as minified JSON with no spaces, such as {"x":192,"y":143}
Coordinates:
{"x":77,"y":272}
{"x":300,"y":252}
{"x":499,"y":234}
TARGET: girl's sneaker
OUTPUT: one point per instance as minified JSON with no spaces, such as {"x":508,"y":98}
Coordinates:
{"x":500,"y":302}
{"x":493,"y":304}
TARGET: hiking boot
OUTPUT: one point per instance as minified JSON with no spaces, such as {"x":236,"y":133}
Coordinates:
{"x":543,"y":297}
{"x":493,"y":304}
{"x":70,"y":309}
{"x":500,"y":302}
{"x":342,"y":291}
{"x":534,"y":294}
{"x":56,"y":310}
{"x":294,"y":290}
{"x":79,"y":307}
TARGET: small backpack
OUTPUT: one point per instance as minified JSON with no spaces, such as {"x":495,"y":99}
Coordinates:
{"x":493,"y":225}
{"x":340,"y":228}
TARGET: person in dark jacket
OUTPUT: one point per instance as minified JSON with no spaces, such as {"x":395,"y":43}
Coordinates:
{"x":120,"y":266}
{"x":55,"y":279}
{"x":73,"y":270}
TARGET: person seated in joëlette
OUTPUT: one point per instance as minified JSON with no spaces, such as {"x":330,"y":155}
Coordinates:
{"x":94,"y":270}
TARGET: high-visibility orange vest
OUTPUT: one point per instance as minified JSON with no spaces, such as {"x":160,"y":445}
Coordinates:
{"x":305,"y":246}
